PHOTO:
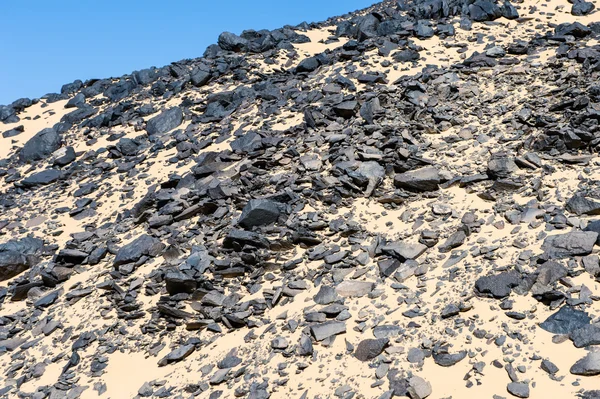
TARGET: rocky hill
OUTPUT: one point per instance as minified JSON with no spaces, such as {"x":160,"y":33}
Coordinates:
{"x":401,"y":201}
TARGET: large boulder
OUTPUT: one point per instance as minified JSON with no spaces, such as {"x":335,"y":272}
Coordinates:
{"x":231,"y":42}
{"x":18,"y":256}
{"x":41,"y":145}
{"x":165,"y":121}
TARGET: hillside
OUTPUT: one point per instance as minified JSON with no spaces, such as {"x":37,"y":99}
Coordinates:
{"x":400,"y":201}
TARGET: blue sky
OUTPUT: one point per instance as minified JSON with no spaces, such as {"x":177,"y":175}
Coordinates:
{"x":46,"y":43}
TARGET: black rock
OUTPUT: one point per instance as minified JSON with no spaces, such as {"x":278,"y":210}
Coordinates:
{"x":308,"y":65}
{"x":259,"y":212}
{"x":447,"y":359}
{"x":484,"y":10}
{"x":178,"y":282}
{"x":41,"y":145}
{"x":424,"y":179}
{"x":581,"y":8}
{"x":571,"y":244}
{"x":581,"y":205}
{"x":66,"y":159}
{"x":346,"y":109}
{"x":588,"y":366}
{"x":231,"y":42}
{"x":177,"y":355}
{"x":42,"y":178}
{"x":141,"y":246}
{"x":501,"y":166}
{"x":328,"y":329}
{"x":549,"y":367}
{"x":370,"y":348}
{"x":594,"y":227}
{"x":497,"y":286}
{"x":165,"y":121}
{"x":240,"y":238}
{"x":406,"y":55}
{"x":585,"y":336}
{"x":18,"y":256}
{"x":566,"y":321}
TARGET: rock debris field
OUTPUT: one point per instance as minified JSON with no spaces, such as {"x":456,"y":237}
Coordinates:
{"x":402,"y":201}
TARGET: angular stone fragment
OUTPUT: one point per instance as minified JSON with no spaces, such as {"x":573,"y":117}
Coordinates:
{"x":565,"y":321}
{"x":370,"y":348}
{"x":177,"y":355}
{"x":144,"y":245}
{"x":259,"y":212}
{"x":575,"y":243}
{"x":354,"y":289}
{"x":587,"y":366}
{"x":165,"y":122}
{"x":497,"y":286}
{"x":447,"y":359}
{"x":328,"y":329}
{"x":420,"y":180}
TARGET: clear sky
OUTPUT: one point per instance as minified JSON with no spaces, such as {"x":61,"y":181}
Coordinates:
{"x":47,"y":43}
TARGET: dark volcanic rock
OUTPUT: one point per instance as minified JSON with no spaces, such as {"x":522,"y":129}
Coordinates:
{"x":177,"y":355}
{"x":570,"y":244}
{"x":580,"y":205}
{"x":566,"y":321}
{"x":497,"y":286}
{"x":18,"y":256}
{"x":132,"y":252}
{"x":259,"y":212}
{"x":42,"y":178}
{"x":594,"y":227}
{"x":370,"y":348}
{"x":585,"y":336}
{"x":588,"y":366}
{"x":41,"y":145}
{"x":424,"y":179}
{"x":327,"y":329}
{"x":447,"y":359}
{"x":165,"y":122}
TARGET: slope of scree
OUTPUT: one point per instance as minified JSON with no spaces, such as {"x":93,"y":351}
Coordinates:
{"x":401,"y":201}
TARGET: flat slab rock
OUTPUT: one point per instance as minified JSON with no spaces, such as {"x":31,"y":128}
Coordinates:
{"x":566,"y":321}
{"x":354,"y":289}
{"x":575,"y":243}
{"x":328,"y":329}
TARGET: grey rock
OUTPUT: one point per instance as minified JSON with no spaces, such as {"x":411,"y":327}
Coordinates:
{"x":585,"y":336}
{"x":565,"y":321}
{"x":328,"y":329}
{"x":143,"y":245}
{"x":518,"y":389}
{"x":571,"y":244}
{"x":40,"y":146}
{"x":259,"y":212}
{"x":448,"y":359}
{"x":418,"y":388}
{"x":165,"y":121}
{"x":354,"y":289}
{"x":581,"y":205}
{"x":587,"y":366}
{"x":370,"y":348}
{"x":420,"y":180}
{"x":497,"y":286}
{"x":177,"y":355}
